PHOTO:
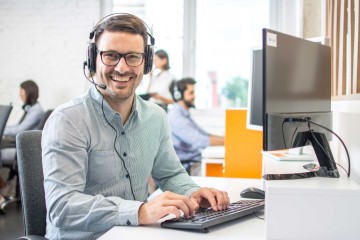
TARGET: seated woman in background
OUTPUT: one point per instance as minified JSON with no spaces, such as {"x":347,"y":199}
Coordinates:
{"x":29,"y":93}
{"x":33,"y":112}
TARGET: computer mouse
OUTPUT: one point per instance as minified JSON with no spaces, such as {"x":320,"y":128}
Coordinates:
{"x":253,"y":192}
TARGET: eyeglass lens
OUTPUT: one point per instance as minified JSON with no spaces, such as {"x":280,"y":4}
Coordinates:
{"x":112,"y":58}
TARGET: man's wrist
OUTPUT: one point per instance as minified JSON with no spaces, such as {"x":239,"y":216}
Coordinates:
{"x":141,"y":214}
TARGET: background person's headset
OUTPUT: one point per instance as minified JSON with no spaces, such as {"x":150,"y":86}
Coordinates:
{"x":92,"y":51}
{"x":178,"y":88}
{"x":177,"y":94}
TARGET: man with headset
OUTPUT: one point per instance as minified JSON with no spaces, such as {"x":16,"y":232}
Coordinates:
{"x":100,"y":149}
{"x":188,"y":138}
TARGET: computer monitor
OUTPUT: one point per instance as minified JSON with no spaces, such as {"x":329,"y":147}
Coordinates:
{"x":297,"y":96}
{"x":254,"y":115}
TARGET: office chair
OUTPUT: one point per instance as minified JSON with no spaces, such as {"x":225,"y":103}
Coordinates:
{"x":42,"y":122}
{"x":4,"y":116}
{"x":12,"y":165}
{"x":31,"y":181}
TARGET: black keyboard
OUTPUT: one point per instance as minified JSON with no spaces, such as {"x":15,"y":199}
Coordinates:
{"x":205,"y":218}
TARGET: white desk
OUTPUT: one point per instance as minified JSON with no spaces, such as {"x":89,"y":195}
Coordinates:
{"x":245,"y":228}
{"x":311,"y":208}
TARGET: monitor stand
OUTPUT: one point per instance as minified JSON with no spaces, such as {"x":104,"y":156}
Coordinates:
{"x":323,"y":153}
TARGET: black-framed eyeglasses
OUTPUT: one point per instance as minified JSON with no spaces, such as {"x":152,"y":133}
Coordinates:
{"x":111,"y":58}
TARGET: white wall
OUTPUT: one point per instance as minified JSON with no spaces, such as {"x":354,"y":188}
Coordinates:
{"x":45,"y":41}
{"x":346,"y":124}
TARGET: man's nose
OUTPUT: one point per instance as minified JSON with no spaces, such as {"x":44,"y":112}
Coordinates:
{"x":122,"y":66}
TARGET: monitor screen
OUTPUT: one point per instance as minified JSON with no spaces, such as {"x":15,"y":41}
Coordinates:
{"x":296,"y":85}
{"x":254,"y":115}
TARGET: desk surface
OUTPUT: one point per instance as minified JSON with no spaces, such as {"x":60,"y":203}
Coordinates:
{"x":248,"y":227}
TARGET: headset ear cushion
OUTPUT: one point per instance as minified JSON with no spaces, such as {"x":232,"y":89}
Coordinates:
{"x":149,"y":58}
{"x":91,"y":61}
{"x":177,"y":95}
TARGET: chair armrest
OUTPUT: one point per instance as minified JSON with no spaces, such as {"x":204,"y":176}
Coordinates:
{"x":32,"y":237}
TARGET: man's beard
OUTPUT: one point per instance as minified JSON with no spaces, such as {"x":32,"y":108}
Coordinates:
{"x":189,"y":104}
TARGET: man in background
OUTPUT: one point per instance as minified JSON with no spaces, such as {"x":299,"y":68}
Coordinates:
{"x":188,"y":138}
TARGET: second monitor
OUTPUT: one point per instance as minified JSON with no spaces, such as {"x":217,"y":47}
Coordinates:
{"x":297,"y":96}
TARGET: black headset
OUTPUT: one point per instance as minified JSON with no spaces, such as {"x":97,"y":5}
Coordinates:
{"x":92,"y":51}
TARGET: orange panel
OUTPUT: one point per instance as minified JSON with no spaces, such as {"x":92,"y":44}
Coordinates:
{"x":214,"y":170}
{"x":242,"y":147}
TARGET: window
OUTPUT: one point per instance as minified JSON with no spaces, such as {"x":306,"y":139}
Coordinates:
{"x":165,"y":18}
{"x":220,"y":50}
{"x":226,"y":32}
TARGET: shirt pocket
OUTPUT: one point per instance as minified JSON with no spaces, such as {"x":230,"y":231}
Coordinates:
{"x":102,"y":166}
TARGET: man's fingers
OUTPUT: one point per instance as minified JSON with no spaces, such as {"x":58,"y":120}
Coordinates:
{"x":222,"y":199}
{"x":210,"y":197}
{"x":181,"y":202}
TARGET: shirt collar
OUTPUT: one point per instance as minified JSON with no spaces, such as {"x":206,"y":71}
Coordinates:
{"x":108,"y":111}
{"x":182,"y":110}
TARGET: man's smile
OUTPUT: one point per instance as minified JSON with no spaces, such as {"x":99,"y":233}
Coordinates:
{"x":120,"y":79}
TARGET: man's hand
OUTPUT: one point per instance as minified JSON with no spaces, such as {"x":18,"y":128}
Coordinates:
{"x":210,"y":197}
{"x":163,"y":205}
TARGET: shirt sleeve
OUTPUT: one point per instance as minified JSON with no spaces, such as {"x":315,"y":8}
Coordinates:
{"x":186,"y":130}
{"x":168,"y":172}
{"x":65,"y":166}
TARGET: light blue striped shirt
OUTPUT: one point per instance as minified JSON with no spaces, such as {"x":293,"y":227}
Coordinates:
{"x":86,"y":185}
{"x":189,"y":139}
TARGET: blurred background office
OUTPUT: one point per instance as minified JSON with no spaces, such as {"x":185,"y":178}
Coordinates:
{"x":47,"y":41}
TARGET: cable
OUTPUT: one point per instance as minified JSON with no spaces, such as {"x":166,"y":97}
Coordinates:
{"x":282,"y":131}
{"x":342,"y":142}
{"x":127,"y":171}
{"x":292,"y":138}
{"x":322,"y":148}
{"x":342,"y":168}
{"x":283,"y":135}
{"x":326,"y":152}
{"x":307,"y":119}
{"x":258,"y":216}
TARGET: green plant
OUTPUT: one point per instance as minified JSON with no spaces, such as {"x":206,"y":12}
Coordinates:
{"x":236,"y":91}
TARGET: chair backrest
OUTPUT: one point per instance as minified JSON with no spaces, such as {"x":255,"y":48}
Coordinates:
{"x":4,"y":116}
{"x":31,"y":181}
{"x":45,"y":116}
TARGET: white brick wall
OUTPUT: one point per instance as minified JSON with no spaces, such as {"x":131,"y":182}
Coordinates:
{"x":45,"y":41}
